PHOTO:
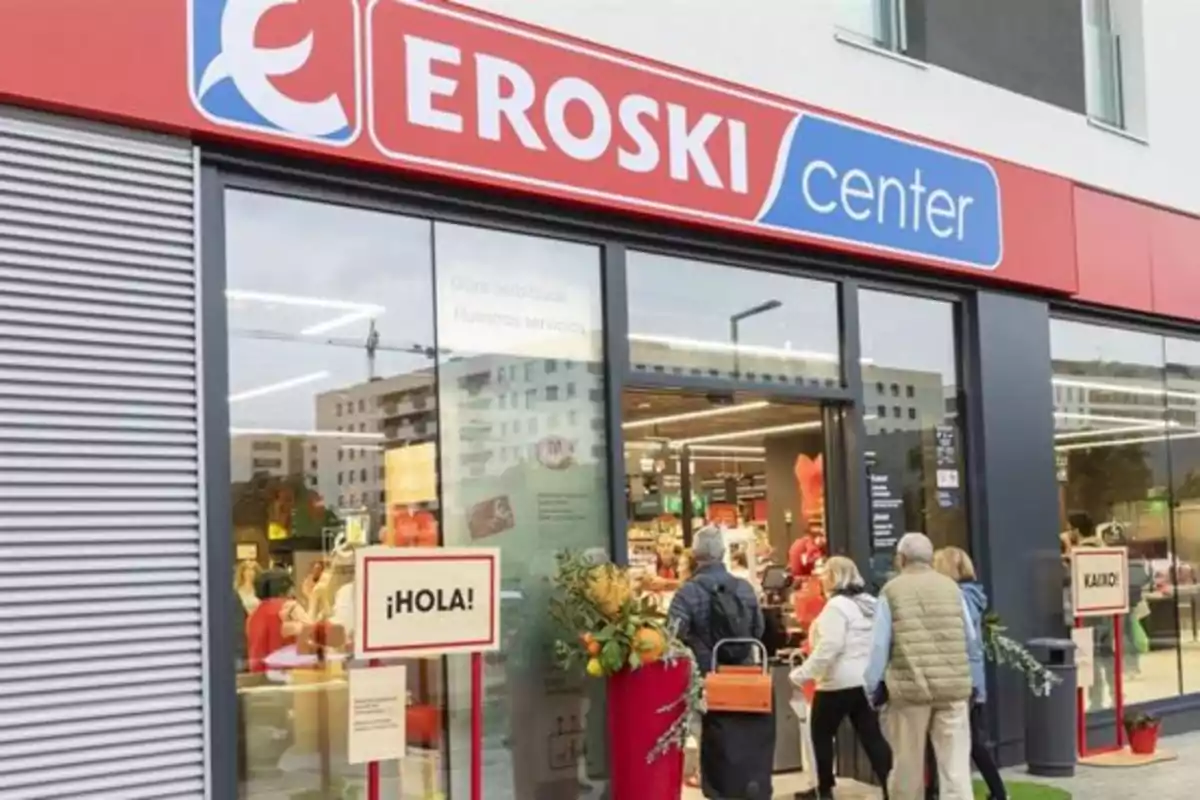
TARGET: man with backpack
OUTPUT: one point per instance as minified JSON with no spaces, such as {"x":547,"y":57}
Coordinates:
{"x":736,"y":750}
{"x":715,"y":605}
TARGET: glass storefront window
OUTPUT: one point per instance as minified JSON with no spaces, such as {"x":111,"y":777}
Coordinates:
{"x":1111,"y":430}
{"x":914,"y":446}
{"x":352,"y":423}
{"x":523,"y":468}
{"x":697,"y":319}
{"x":333,"y":417}
{"x":1177,"y":573}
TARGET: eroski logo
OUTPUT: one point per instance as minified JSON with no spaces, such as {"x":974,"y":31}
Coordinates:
{"x":286,"y":67}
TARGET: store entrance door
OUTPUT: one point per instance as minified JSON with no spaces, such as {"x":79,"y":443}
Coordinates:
{"x":772,"y":474}
{"x":757,"y":467}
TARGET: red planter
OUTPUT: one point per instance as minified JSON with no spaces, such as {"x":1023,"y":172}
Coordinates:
{"x":1144,"y":741}
{"x":634,"y":726}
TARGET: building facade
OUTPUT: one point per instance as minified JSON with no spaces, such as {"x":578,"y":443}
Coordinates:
{"x":279,"y":274}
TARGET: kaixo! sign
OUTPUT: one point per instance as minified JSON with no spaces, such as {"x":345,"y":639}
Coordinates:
{"x":1099,"y":581}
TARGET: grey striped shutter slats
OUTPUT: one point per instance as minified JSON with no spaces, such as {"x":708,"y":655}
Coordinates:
{"x":101,"y":633}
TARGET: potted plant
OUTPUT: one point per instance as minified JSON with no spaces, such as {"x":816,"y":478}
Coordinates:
{"x":1142,"y":730}
{"x":653,"y":684}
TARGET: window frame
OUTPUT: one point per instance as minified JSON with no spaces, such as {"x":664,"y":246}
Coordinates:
{"x":1142,"y":324}
{"x":891,"y":20}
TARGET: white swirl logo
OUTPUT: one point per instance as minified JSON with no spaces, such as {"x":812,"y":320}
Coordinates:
{"x":250,"y":68}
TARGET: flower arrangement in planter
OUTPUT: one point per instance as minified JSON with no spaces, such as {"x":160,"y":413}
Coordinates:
{"x":1007,"y":652}
{"x":608,"y":632}
{"x":1142,"y":730}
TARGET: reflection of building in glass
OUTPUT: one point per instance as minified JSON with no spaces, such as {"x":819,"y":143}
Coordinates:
{"x":904,"y":399}
{"x":673,"y":355}
{"x":375,"y":416}
{"x":509,"y":405}
{"x":272,"y":456}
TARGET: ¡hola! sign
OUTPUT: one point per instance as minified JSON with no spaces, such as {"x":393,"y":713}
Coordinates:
{"x":427,"y":601}
{"x":1099,"y":581}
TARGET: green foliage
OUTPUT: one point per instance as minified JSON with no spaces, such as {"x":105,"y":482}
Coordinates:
{"x":1019,"y":790}
{"x":603,"y":628}
{"x":598,"y":617}
{"x":1140,"y":720}
{"x":1006,"y":652}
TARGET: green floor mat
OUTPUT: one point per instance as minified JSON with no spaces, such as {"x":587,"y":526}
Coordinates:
{"x":1026,"y":791}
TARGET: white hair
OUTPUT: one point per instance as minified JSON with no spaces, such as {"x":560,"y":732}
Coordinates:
{"x":915,"y":548}
{"x":708,"y":546}
{"x":840,"y":574}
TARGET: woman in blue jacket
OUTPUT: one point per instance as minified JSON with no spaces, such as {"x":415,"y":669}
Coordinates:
{"x":955,"y":563}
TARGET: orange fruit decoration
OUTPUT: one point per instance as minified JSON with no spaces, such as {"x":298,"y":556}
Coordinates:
{"x":609,"y":589}
{"x":650,"y":644}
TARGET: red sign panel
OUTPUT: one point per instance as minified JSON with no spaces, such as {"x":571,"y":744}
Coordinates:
{"x":432,"y":88}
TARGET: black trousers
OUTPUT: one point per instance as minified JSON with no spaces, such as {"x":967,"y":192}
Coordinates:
{"x":828,"y":710}
{"x":981,"y":756}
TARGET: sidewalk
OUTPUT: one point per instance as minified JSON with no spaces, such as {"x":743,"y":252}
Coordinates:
{"x":1170,"y":780}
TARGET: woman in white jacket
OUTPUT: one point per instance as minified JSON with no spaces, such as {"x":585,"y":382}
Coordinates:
{"x":841,"y":647}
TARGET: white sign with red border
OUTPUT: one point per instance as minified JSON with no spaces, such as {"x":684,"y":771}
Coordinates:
{"x":426,"y":601}
{"x":1099,"y":581}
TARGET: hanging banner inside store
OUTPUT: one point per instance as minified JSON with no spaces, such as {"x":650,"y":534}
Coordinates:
{"x":1099,"y":581}
{"x":426,"y":601}
{"x":378,"y":699}
{"x":437,"y":89}
{"x":410,"y":474}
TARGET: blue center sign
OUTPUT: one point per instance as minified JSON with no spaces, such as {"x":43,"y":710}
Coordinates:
{"x":849,"y":184}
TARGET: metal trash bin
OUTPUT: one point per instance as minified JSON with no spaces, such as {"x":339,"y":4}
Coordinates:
{"x":1050,"y":731}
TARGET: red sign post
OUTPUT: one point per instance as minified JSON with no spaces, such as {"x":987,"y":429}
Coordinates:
{"x":1100,"y":589}
{"x":430,"y":601}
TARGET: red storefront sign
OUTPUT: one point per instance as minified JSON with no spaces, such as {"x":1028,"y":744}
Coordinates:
{"x":433,"y":88}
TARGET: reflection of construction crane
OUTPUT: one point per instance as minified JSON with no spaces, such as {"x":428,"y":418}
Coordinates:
{"x":372,"y":345}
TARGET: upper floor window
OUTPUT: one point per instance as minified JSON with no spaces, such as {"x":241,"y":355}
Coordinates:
{"x":1114,"y":57}
{"x":879,"y":23}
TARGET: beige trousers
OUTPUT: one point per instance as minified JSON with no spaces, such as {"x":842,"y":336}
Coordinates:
{"x":948,"y":728}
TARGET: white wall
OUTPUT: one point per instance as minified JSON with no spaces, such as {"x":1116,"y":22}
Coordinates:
{"x":787,"y":47}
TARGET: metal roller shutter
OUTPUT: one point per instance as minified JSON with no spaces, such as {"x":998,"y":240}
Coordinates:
{"x":101,"y":634}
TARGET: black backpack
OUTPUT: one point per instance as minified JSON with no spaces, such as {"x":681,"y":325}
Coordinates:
{"x":729,"y":618}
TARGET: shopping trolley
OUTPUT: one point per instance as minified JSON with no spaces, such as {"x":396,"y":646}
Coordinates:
{"x":802,"y":701}
{"x":737,"y":732}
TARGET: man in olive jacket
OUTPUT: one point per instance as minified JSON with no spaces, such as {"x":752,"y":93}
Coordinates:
{"x":921,"y":660}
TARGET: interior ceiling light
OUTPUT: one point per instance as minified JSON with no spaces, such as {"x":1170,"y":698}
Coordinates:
{"x":1101,"y":386}
{"x":1064,"y":448}
{"x":345,"y":319}
{"x":684,"y":343}
{"x":690,"y":415}
{"x":746,"y":434}
{"x":1111,"y":431}
{"x":281,"y":386}
{"x":1143,"y":421}
{"x":734,"y":459}
{"x":354,"y":312}
{"x":350,"y":435}
{"x":728,"y":448}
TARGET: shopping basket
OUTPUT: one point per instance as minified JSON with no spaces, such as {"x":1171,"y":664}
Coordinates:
{"x":743,"y":689}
